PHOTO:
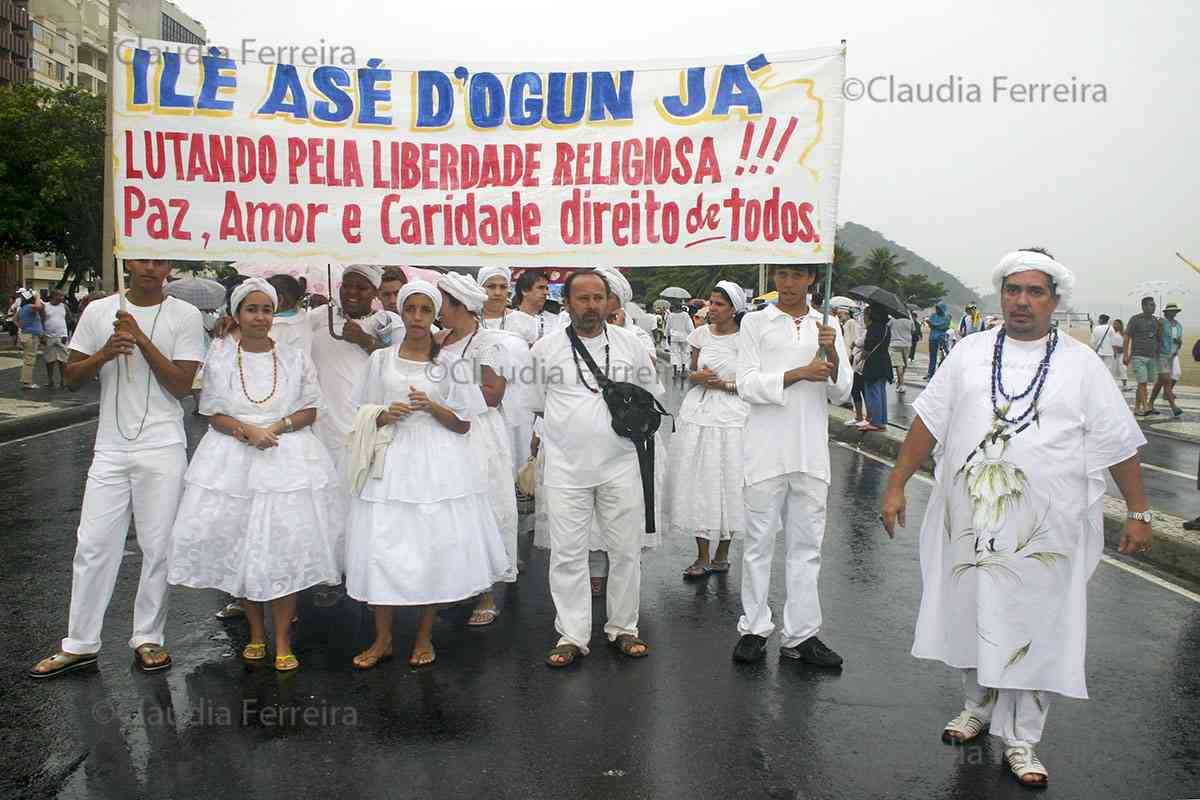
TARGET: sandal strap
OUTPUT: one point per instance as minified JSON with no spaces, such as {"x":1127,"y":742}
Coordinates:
{"x":967,"y":724}
{"x":1024,"y":761}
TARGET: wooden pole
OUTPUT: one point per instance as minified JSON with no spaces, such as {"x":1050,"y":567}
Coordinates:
{"x":120,"y":262}
{"x":106,"y":240}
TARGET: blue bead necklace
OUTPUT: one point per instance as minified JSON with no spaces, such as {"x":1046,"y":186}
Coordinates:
{"x":1035,"y":386}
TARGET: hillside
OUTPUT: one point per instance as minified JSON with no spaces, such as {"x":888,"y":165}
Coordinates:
{"x":861,"y":240}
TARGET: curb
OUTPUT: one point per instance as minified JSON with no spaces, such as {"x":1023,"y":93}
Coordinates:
{"x":33,"y":424}
{"x":1174,"y":554}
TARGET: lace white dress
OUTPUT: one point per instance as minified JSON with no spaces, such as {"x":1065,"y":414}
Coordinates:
{"x":490,"y":438}
{"x":424,"y":532}
{"x":705,"y":475}
{"x":259,"y":524}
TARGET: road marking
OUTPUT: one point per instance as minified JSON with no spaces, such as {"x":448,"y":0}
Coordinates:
{"x":1168,"y":471}
{"x":48,"y":433}
{"x":1157,"y":581}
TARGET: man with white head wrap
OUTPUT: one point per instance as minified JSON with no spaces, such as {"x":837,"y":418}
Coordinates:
{"x":1024,"y":423}
{"x":476,"y":356}
{"x":145,"y":355}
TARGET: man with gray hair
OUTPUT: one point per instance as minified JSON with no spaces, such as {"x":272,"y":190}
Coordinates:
{"x":1023,"y":424}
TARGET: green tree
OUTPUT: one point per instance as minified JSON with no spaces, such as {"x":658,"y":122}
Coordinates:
{"x":51,"y":174}
{"x":918,"y":290}
{"x":884,"y":269}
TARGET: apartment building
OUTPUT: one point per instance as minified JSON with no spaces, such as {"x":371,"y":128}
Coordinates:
{"x":14,"y":42}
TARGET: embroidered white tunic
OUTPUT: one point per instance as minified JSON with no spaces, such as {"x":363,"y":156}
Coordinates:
{"x":1014,"y":526}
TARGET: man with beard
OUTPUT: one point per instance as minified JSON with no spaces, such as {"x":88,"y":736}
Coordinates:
{"x":590,"y":470}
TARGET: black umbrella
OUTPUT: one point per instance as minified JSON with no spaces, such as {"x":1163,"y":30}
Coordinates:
{"x":880,"y":297}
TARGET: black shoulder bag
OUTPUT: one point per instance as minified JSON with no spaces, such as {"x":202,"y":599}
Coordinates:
{"x":636,"y":415}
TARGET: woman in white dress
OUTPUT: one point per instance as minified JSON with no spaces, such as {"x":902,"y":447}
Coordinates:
{"x":422,"y":531}
{"x":496,"y":314}
{"x":478,"y":357}
{"x":705,"y":476}
{"x":261,"y":516}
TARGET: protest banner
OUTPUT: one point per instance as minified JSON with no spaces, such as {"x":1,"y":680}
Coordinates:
{"x":222,"y":154}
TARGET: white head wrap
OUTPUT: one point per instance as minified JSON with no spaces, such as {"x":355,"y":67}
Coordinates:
{"x":252,"y":285}
{"x":617,"y":283}
{"x":491,"y":272}
{"x":420,"y":287}
{"x":737,"y":295}
{"x":1026,"y":260}
{"x":369,"y":271}
{"x":465,"y":290}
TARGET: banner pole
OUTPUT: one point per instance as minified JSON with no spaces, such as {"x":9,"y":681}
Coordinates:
{"x":120,"y":262}
{"x":106,"y":238}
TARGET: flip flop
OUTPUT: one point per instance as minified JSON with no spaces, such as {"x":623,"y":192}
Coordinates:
{"x":720,"y":566}
{"x":486,"y":616}
{"x":139,"y":658}
{"x":64,"y":663}
{"x":697,"y":571}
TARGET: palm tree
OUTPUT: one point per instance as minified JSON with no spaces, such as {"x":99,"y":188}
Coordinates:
{"x":884,"y":269}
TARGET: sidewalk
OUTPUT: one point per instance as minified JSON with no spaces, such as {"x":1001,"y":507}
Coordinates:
{"x":24,"y":412}
{"x":1176,"y":551}
{"x":1185,"y":428}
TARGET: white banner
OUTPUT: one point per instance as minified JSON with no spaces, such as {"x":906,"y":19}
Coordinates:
{"x":223,"y":155}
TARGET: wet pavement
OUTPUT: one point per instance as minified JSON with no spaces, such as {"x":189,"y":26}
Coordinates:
{"x":489,"y":719}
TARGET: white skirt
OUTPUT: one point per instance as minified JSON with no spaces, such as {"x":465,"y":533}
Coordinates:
{"x":704,"y":483}
{"x":491,"y":444}
{"x":255,"y":530}
{"x":416,"y":554}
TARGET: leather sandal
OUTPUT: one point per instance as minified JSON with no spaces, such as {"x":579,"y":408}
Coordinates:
{"x":567,"y":652}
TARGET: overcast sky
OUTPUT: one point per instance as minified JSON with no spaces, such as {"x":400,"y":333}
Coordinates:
{"x":1110,"y":188}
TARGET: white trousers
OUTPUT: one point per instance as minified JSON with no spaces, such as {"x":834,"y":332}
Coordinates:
{"x":144,"y":486}
{"x":619,"y":512}
{"x":795,"y":504}
{"x":679,"y":350}
{"x":1018,"y":716}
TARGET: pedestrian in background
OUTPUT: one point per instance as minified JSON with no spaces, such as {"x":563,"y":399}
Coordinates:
{"x":939,"y":326}
{"x":1141,"y":354}
{"x":1102,"y":336}
{"x":902,"y":335}
{"x":55,"y":323}
{"x":1170,"y":340}
{"x":1117,"y":344}
{"x":679,"y":326}
{"x":33,"y":332}
{"x":877,"y":367}
{"x":971,"y":322}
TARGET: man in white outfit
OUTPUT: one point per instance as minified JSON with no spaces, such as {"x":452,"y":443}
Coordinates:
{"x":679,"y":325}
{"x":146,"y":358}
{"x":790,"y":366}
{"x":590,"y":470}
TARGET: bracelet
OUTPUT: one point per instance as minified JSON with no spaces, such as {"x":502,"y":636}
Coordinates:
{"x":287,"y":421}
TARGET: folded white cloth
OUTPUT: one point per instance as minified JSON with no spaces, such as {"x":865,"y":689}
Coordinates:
{"x":368,"y":444}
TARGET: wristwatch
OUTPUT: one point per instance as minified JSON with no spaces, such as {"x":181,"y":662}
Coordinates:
{"x":1141,"y":516}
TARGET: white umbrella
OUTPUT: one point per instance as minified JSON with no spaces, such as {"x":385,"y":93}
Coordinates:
{"x":200,"y":292}
{"x":675,"y":293}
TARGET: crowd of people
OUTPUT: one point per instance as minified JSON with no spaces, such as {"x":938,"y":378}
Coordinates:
{"x":376,"y":450}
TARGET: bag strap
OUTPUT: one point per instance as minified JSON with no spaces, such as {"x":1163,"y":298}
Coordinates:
{"x":602,"y":380}
{"x":645,"y":454}
{"x":1100,"y":343}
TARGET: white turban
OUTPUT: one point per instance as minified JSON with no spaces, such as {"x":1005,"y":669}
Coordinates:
{"x":369,"y":271}
{"x":737,"y":295}
{"x":420,"y":287}
{"x":463,"y":289}
{"x":617,"y":283}
{"x":252,"y":285}
{"x":491,"y":272}
{"x":1026,"y":260}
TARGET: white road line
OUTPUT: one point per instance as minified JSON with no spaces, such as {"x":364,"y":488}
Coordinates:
{"x":48,"y":433}
{"x":1157,"y":581}
{"x":1168,"y":471}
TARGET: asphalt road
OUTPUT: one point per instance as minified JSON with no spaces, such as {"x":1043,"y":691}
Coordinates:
{"x":490,"y":720}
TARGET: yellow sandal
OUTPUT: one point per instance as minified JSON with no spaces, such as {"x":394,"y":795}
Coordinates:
{"x":255,"y":651}
{"x":286,"y":663}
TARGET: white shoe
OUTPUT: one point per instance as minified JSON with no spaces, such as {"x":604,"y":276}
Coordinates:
{"x":851,"y":423}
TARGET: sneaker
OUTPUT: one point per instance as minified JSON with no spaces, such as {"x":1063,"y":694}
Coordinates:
{"x":900,"y":389}
{"x":30,"y":386}
{"x":813,"y":651}
{"x":1192,"y":525}
{"x":1178,"y":412}
{"x":750,"y":648}
{"x":852,"y":422}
